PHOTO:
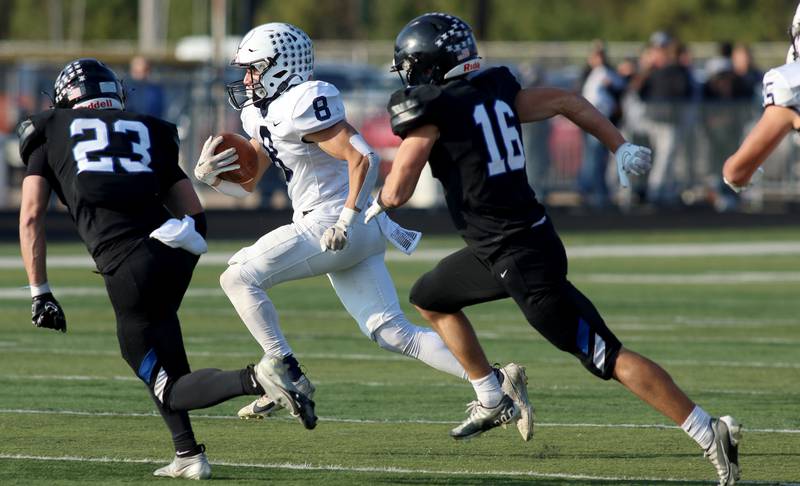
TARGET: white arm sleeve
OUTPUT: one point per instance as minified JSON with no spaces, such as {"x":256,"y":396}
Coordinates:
{"x":361,"y":145}
{"x":319,"y":107}
{"x":231,"y":189}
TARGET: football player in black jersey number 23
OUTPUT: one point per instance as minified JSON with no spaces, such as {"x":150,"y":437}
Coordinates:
{"x":117,"y":173}
{"x":465,"y":122}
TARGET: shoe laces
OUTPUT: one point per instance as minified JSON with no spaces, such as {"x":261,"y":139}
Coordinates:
{"x":474,"y":408}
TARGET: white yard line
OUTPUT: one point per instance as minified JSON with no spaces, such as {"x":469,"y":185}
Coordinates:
{"x":366,"y":469}
{"x":21,"y":411}
{"x":391,"y":357}
{"x":712,"y":278}
{"x":393,"y":384}
{"x":576,"y":251}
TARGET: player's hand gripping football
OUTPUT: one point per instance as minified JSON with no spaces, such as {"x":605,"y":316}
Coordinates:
{"x":46,"y":312}
{"x":632,"y":159}
{"x":211,"y":165}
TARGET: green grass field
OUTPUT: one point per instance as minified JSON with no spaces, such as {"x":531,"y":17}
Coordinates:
{"x":724,"y":324}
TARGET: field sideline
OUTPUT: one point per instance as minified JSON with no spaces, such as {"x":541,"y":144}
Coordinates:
{"x":717,"y":308}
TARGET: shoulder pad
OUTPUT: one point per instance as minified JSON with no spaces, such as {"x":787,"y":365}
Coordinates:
{"x":31,"y":134}
{"x":318,"y":106}
{"x":411,"y":108}
{"x":781,"y":86}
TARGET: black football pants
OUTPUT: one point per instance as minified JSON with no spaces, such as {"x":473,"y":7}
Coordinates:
{"x":532,"y":270}
{"x":146,"y":290}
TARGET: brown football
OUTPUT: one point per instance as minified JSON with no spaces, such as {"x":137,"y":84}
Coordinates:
{"x":248,"y":158}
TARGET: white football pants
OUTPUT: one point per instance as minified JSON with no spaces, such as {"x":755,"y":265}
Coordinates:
{"x":358,"y":274}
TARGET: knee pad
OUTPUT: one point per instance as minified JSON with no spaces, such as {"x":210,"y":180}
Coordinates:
{"x":231,"y":278}
{"x":397,"y":335}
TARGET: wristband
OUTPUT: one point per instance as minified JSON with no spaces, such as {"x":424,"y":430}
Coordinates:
{"x":42,"y":288}
{"x":347,"y":216}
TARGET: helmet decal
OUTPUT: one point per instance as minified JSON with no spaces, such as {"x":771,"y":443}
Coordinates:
{"x":88,"y":79}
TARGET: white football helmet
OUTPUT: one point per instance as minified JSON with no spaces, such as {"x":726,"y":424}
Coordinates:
{"x":280,"y":55}
{"x":794,"y":34}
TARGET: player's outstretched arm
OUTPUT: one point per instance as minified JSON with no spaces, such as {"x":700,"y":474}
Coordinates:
{"x":534,"y":104}
{"x":775,"y":123}
{"x":32,"y":210}
{"x":412,"y":155}
{"x":342,"y":142}
{"x":45,"y":309}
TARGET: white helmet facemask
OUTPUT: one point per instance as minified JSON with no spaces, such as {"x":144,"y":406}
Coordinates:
{"x":278,"y":55}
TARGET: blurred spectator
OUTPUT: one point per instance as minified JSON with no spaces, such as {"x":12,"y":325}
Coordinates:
{"x":666,"y":87}
{"x":722,"y":81}
{"x":750,"y":76}
{"x":602,"y":87}
{"x":725,"y":112}
{"x":144,"y":96}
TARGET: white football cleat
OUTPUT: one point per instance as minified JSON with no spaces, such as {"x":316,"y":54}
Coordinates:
{"x":515,"y":385}
{"x":724,"y":451}
{"x":190,"y":467}
{"x":480,"y":418}
{"x":272,"y":375}
{"x":264,"y":406}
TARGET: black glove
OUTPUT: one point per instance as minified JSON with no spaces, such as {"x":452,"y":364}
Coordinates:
{"x":47,"y":312}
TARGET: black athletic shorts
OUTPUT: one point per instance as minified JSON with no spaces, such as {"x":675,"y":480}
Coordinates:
{"x":146,"y":290}
{"x":533,"y":271}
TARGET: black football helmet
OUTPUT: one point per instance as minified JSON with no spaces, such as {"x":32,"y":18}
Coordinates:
{"x":433,"y":48}
{"x":88,"y":79}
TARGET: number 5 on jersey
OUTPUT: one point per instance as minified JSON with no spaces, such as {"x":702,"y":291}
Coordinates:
{"x":503,"y":118}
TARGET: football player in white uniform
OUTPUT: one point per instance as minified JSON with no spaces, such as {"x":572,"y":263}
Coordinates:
{"x":330,"y":170}
{"x":781,"y":115}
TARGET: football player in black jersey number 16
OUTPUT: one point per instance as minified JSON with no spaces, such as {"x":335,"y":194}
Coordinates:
{"x":465,"y":122}
{"x":117,"y":173}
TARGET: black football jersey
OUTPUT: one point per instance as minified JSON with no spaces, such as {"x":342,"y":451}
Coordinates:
{"x":110,"y":168}
{"x":479,"y":157}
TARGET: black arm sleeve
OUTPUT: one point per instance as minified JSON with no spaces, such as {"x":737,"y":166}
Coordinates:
{"x":411,"y":108}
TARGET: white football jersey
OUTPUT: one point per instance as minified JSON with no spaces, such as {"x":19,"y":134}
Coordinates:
{"x":782,"y":86}
{"x":316,"y":180}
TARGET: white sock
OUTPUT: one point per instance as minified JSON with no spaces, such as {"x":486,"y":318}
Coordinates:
{"x":488,"y":390}
{"x":698,"y":426}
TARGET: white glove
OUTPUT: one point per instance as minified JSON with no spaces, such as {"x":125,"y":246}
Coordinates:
{"x":210,"y":165}
{"x":632,"y":159}
{"x":374,"y":209}
{"x":754,"y":179}
{"x":335,"y":237}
